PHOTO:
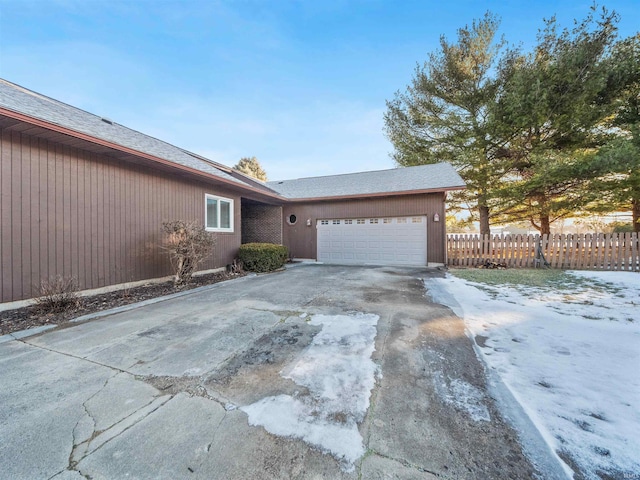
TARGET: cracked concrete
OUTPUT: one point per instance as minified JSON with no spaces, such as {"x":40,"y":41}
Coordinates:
{"x":154,"y":392}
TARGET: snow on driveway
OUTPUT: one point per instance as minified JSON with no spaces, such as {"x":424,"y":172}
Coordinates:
{"x":570,"y":356}
{"x":339,"y":374}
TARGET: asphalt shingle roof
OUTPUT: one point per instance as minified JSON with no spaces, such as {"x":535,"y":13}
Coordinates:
{"x":426,"y":177}
{"x":423,"y":177}
{"x":21,"y":100}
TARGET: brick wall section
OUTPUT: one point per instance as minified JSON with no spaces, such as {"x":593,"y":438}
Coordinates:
{"x":261,"y":223}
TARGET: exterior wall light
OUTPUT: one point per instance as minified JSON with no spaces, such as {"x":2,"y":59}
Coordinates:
{"x":436,"y":217}
{"x":308,"y":222}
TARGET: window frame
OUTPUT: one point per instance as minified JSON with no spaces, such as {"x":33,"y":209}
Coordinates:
{"x":219,"y":199}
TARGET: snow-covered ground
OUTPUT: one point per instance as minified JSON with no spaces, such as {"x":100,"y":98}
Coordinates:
{"x":570,"y":355}
{"x":339,"y":374}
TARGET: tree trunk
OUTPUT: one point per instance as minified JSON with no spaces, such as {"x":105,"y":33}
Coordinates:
{"x":545,"y":225}
{"x":635,"y":214}
{"x":483,"y":212}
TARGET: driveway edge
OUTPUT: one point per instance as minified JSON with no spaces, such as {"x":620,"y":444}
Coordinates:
{"x":113,"y":311}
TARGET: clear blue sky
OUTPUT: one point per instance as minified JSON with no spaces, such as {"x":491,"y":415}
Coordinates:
{"x":301,"y":85}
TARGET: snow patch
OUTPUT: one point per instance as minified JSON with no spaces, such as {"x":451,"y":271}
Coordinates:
{"x":463,"y":396}
{"x":339,"y":374}
{"x":569,"y":355}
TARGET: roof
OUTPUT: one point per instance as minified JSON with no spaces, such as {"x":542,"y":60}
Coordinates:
{"x":18,"y":99}
{"x":434,"y":177}
{"x":24,"y":102}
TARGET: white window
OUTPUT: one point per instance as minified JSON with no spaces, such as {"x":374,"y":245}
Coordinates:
{"x":324,"y":222}
{"x":360,"y":221}
{"x":373,"y":220}
{"x":402,"y":220}
{"x":336,"y":222}
{"x":416,"y":220}
{"x":386,"y":220}
{"x":348,"y":222}
{"x":218,"y":216}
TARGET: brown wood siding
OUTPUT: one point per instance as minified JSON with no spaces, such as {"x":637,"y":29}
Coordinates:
{"x":65,"y":211}
{"x":302,"y":239}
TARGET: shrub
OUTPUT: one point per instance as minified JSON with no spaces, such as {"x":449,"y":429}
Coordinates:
{"x":57,"y":294}
{"x":263,"y":257}
{"x":188,"y":244}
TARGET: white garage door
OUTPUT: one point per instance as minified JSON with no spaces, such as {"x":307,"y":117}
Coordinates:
{"x":375,"y":241}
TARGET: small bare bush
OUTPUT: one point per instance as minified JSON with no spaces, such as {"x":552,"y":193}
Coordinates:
{"x":57,"y":294}
{"x":188,"y":244}
{"x":236,"y":267}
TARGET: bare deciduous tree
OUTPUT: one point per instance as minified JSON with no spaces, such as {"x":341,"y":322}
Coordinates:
{"x":188,"y":244}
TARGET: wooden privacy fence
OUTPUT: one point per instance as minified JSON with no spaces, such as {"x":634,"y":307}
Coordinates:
{"x":590,"y":251}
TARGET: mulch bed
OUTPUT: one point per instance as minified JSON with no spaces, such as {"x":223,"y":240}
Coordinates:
{"x":32,"y":316}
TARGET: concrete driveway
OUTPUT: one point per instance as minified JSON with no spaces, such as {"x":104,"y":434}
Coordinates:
{"x":173,"y":389}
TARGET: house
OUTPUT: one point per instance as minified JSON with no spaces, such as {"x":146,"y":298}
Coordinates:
{"x":85,"y":197}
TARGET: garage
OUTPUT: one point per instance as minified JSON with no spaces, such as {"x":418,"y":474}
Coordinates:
{"x":385,"y":217}
{"x":375,"y":241}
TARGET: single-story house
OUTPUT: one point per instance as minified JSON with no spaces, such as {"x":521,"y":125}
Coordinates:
{"x":84,"y":197}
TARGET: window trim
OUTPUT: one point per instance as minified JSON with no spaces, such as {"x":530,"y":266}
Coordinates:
{"x":230,"y":229}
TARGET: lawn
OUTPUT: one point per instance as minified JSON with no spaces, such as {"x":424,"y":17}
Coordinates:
{"x":567,"y":345}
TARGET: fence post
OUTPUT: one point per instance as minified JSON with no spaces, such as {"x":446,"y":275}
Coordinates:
{"x":634,"y":257}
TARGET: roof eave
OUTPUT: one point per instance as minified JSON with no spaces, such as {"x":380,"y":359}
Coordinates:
{"x":105,"y":143}
{"x":380,"y":194}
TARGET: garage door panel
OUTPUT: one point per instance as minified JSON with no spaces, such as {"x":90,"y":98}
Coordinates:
{"x":382,"y":241}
